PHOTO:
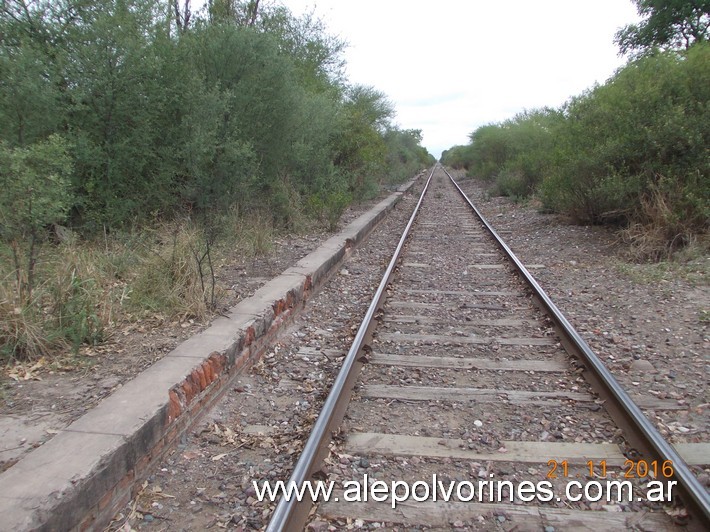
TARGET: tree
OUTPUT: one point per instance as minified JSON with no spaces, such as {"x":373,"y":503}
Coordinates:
{"x":316,"y":54}
{"x":233,"y":12}
{"x":360,"y":147}
{"x":36,"y":194}
{"x":668,"y":24}
{"x":183,"y":16}
{"x":405,"y":155}
{"x":457,"y":157}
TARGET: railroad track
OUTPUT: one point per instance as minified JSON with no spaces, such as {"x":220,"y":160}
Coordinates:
{"x":467,"y":401}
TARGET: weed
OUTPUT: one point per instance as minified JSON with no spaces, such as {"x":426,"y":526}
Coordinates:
{"x":168,"y":278}
{"x":83,"y":289}
{"x":329,"y":207}
{"x":661,"y":232}
{"x":22,"y":332}
{"x":251,"y":235}
{"x":76,"y":311}
{"x":690,"y":266}
{"x":515,"y":184}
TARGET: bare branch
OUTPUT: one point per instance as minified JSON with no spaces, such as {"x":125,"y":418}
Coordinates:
{"x":253,"y":11}
{"x":182,"y":19}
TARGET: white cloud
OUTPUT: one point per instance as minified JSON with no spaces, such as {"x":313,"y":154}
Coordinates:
{"x":450,"y":66}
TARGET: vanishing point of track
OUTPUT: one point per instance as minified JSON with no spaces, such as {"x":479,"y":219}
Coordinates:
{"x":464,"y":368}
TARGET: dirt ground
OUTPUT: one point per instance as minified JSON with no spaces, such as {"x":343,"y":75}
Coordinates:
{"x":38,"y":401}
{"x":258,"y":428}
{"x":649,"y":323}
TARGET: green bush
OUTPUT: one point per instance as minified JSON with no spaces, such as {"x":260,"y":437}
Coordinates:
{"x":163,"y":119}
{"x":168,"y":279}
{"x":458,"y":157}
{"x":405,"y":157}
{"x":516,"y":153}
{"x":631,"y":152}
{"x":512,"y":183}
{"x":76,"y":311}
{"x":35,"y":194}
{"x":22,"y":333}
{"x":645,"y":131}
{"x":246,"y":109}
{"x":70,"y":305}
{"x":328,"y":206}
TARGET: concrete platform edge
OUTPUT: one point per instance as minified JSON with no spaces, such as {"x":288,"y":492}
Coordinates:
{"x":84,"y":475}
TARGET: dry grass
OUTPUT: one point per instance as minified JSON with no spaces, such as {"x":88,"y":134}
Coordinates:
{"x":660,"y":234}
{"x":85,"y":290}
{"x":71,"y":304}
{"x":249,"y":234}
{"x":22,"y":331}
{"x":81,"y":286}
{"x":167,"y":278}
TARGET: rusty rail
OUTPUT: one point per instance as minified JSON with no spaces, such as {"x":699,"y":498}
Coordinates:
{"x":292,"y":514}
{"x":637,"y":429}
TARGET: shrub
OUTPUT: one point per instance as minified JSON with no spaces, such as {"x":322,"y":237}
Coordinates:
{"x":35,"y":194}
{"x":666,"y":220}
{"x":457,"y":157}
{"x":168,"y":279}
{"x":640,"y":137}
{"x":512,"y":183}
{"x":516,"y":153}
{"x":328,"y":206}
{"x":248,"y":233}
{"x":70,"y":305}
{"x":22,"y":333}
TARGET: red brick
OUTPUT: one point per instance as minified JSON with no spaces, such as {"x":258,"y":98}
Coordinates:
{"x":125,"y":483}
{"x":119,"y":503}
{"x":217,"y":362}
{"x":239,"y":363}
{"x":203,"y":378}
{"x":214,"y":364}
{"x":194,"y":379}
{"x":88,"y":522}
{"x":141,"y":465}
{"x":209,"y":372}
{"x":250,"y":336}
{"x":222,"y":361}
{"x":105,"y":501}
{"x":157,"y":449}
{"x":170,"y":435}
{"x":205,"y":401}
{"x":174,"y":408}
{"x":188,"y":391}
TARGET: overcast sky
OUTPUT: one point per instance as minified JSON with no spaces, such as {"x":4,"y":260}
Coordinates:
{"x":450,"y":66}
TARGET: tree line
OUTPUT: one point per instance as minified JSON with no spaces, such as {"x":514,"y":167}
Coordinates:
{"x":632,"y":151}
{"x":159,"y":110}
{"x":120,"y":115}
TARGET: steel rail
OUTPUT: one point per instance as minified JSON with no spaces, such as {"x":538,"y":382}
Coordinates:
{"x":628,"y":416}
{"x":292,"y":515}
